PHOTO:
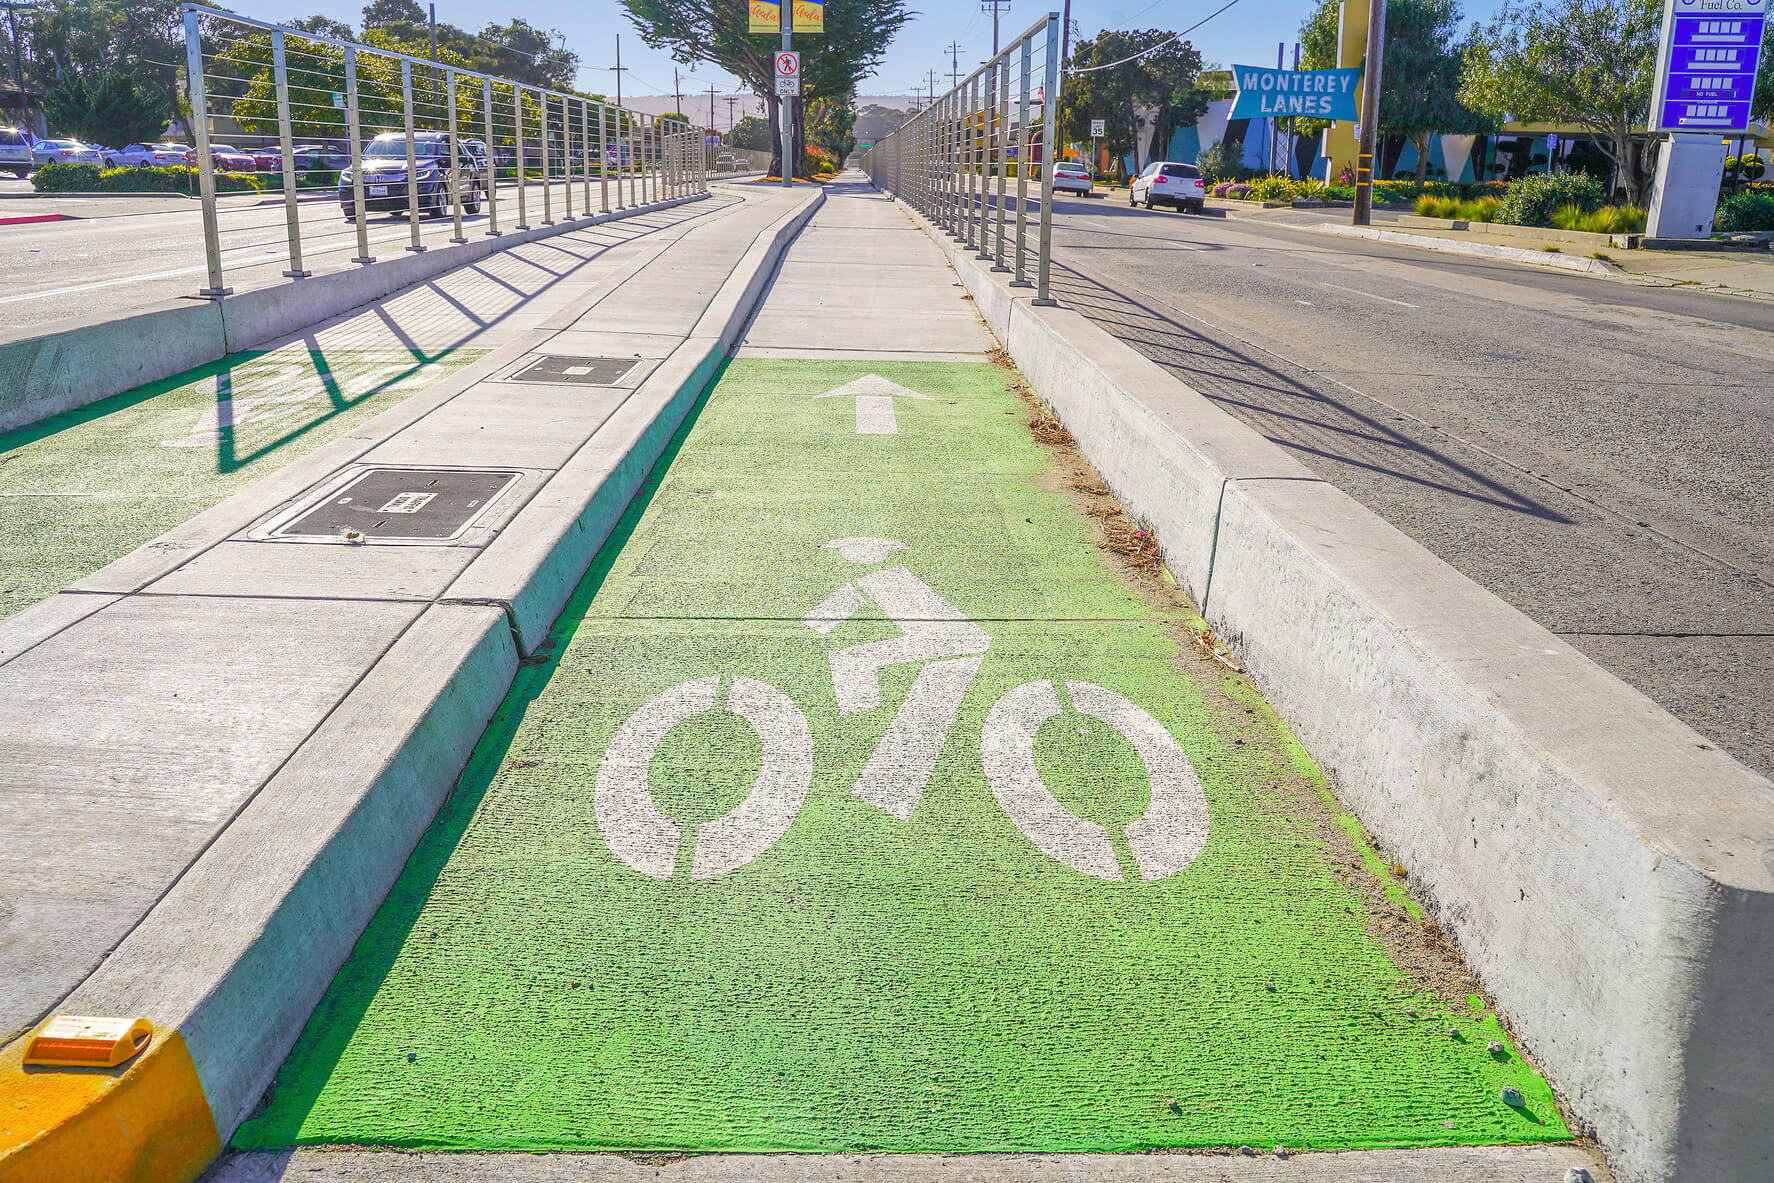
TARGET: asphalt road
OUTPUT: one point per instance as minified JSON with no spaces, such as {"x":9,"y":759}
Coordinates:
{"x":1595,"y":452}
{"x":102,"y":262}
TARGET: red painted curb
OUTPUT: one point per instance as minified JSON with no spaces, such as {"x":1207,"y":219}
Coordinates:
{"x":27,"y":218}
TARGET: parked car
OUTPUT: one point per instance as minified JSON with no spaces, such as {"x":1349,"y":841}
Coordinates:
{"x":268,"y":160}
{"x":308,"y":158}
{"x":226,"y":159}
{"x":1072,"y":176}
{"x":384,"y":168}
{"x":726,"y":162}
{"x":62,"y":152}
{"x":1172,"y":184}
{"x":148,"y":156}
{"x":15,"y":152}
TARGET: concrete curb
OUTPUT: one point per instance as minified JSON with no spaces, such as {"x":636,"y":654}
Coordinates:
{"x":71,"y":364}
{"x":232,"y":960}
{"x":1484,"y":250}
{"x":1607,"y":870}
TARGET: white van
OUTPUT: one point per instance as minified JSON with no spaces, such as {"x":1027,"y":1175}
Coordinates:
{"x":15,"y":152}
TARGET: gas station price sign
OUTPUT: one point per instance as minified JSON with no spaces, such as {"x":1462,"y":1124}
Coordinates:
{"x":1706,"y":66}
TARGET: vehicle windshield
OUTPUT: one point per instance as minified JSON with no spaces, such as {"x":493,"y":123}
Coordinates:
{"x":1181,"y":170}
{"x":11,"y":138}
{"x":397,"y":149}
{"x":225,"y":148}
{"x":66,"y":143}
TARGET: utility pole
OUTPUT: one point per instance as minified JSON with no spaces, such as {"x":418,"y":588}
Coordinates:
{"x":712,"y":126}
{"x":954,"y":64}
{"x":731,"y":100}
{"x":1370,"y":114}
{"x":994,"y":7}
{"x":433,"y":8}
{"x":619,"y":68}
{"x":932,"y":76}
{"x":677,"y":91}
{"x":1065,"y":35}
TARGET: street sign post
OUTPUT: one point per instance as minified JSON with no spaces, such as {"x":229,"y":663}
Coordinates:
{"x":1099,"y":128}
{"x":1703,"y":89}
{"x":788,"y":88}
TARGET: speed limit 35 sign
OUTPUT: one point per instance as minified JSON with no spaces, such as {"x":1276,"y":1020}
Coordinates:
{"x":788,"y":74}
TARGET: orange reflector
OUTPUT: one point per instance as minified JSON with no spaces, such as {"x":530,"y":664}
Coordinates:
{"x":79,"y":1041}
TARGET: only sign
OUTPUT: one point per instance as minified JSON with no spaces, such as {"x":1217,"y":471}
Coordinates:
{"x":788,"y":74}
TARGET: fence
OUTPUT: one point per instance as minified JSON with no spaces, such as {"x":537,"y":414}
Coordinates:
{"x":945,"y":160}
{"x":381,"y":132}
{"x":739,"y":160}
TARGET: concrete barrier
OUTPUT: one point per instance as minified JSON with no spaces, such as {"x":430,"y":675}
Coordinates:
{"x":1605,"y":868}
{"x":66,"y":366}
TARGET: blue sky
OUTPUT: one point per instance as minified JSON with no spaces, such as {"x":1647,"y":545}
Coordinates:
{"x":1247,"y":33}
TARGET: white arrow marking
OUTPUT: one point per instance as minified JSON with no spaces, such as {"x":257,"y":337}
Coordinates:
{"x":874,"y":403}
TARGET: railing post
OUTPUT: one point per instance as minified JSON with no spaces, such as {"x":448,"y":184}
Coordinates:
{"x":1049,"y":141}
{"x":406,"y":107}
{"x":206,"y":165}
{"x":567,"y":156}
{"x":547,"y":185}
{"x":603,"y":160}
{"x":1024,"y":159}
{"x":486,"y":94}
{"x":1003,"y":142}
{"x":523,"y":165}
{"x":455,"y":158}
{"x":354,"y":134}
{"x":292,"y":211}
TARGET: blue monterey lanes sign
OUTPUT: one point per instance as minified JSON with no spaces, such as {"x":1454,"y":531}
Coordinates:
{"x":1320,"y":94}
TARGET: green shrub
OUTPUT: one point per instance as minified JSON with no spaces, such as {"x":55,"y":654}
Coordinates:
{"x":1216,"y":164}
{"x":1745,"y":211}
{"x":1532,"y":201}
{"x":1610,"y":219}
{"x":1273,"y":189}
{"x":66,"y":178}
{"x":1482,"y":209}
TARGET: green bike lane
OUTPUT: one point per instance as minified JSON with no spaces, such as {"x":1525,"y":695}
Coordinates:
{"x":859,"y":803}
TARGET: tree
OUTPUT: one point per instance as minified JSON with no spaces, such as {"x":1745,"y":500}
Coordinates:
{"x":1163,"y":74}
{"x":325,"y":26}
{"x":1762,"y":108}
{"x":520,"y":51}
{"x":142,"y":40}
{"x":829,"y":124}
{"x":751,"y":133}
{"x":1421,"y":80}
{"x":857,"y":33}
{"x":1583,"y":62}
{"x":380,"y":14}
{"x":111,"y":109}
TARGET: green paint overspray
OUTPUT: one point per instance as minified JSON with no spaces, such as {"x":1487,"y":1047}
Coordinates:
{"x":868,"y":983}
{"x":85,"y":487}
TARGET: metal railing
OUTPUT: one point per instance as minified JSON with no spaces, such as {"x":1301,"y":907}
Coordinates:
{"x":745,"y":160}
{"x":996,"y":126}
{"x":446,"y":142}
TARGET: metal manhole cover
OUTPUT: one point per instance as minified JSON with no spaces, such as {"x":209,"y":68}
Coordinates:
{"x":406,"y":504}
{"x":577,"y":371}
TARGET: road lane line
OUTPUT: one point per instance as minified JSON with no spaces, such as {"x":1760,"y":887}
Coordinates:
{"x":1369,"y":295}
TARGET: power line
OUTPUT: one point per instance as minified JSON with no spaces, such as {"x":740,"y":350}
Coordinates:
{"x":1154,"y":49}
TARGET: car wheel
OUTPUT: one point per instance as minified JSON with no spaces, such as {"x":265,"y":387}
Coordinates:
{"x":350,"y":212}
{"x":1148,"y":201}
{"x":1130,"y":199}
{"x":472,"y":205}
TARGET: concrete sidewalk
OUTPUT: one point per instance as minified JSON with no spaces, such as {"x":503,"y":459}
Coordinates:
{"x":194,"y":738}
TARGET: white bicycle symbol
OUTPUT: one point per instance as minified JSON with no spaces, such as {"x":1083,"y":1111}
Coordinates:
{"x":1171,"y":834}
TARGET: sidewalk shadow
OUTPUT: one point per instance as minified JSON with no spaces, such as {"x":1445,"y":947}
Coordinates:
{"x":1309,"y":421}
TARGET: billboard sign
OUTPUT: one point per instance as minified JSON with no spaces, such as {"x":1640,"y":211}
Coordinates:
{"x":1706,"y":65}
{"x":1265,"y":92}
{"x":809,"y":16}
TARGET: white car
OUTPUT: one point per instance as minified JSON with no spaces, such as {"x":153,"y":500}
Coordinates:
{"x":62,"y":152}
{"x":147,"y":156}
{"x":1167,"y":183}
{"x":15,"y":152}
{"x":1070,"y":176}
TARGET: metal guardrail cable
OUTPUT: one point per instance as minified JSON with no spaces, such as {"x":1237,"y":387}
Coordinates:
{"x":288,"y":98}
{"x":953,"y":160}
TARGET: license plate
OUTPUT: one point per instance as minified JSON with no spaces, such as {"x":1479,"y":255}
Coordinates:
{"x":378,"y":190}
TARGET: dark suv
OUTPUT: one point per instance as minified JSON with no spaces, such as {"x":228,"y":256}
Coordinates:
{"x":384,"y":167}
